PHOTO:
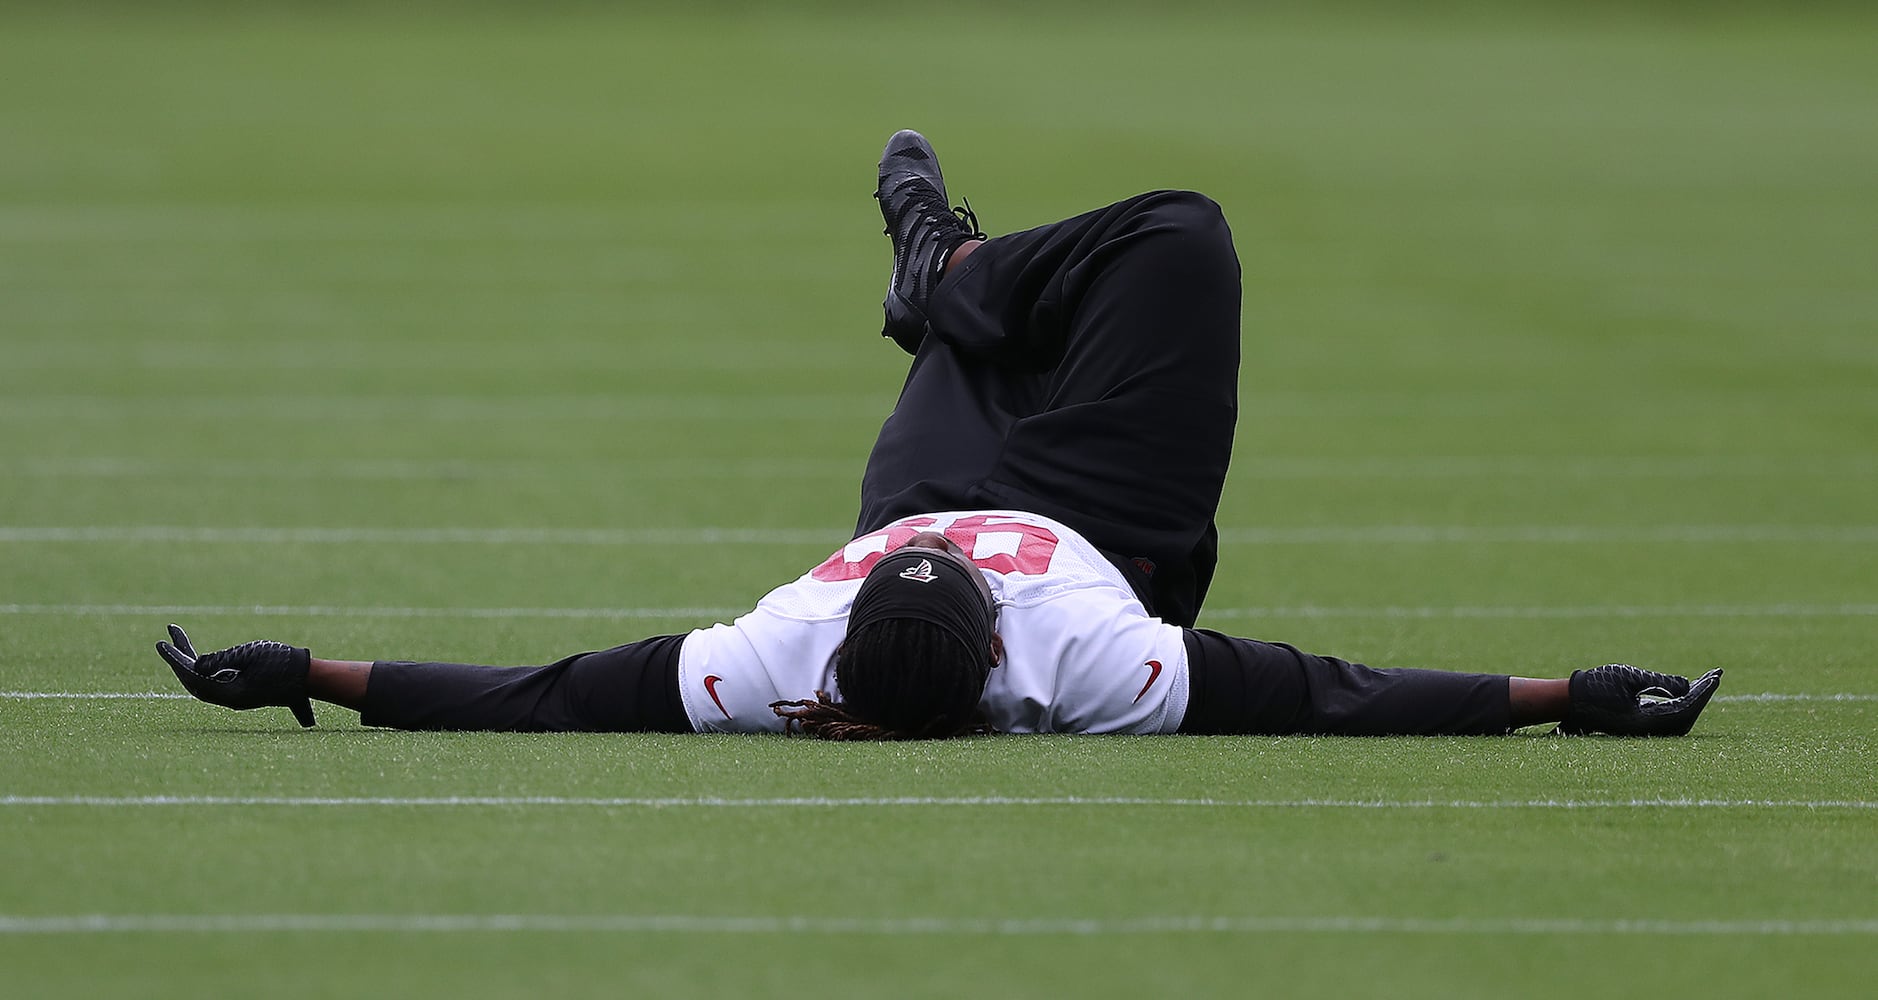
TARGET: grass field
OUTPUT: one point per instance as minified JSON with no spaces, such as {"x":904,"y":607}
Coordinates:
{"x":490,"y":337}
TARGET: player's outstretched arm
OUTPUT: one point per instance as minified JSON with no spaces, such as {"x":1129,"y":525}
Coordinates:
{"x":1249,"y":686}
{"x":624,"y":689}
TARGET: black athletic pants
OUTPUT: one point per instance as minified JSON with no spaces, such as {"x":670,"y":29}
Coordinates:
{"x":1087,"y":371}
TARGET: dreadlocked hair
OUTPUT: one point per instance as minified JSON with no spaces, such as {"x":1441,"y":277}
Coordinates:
{"x":901,"y":679}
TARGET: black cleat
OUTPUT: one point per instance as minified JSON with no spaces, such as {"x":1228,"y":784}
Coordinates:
{"x":925,"y":232}
{"x":1622,"y":700}
{"x":251,"y":675}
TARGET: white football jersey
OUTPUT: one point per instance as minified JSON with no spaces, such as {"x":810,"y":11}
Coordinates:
{"x":1081,"y":653}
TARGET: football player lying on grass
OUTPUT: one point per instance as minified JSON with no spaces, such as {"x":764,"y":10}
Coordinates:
{"x":1035,"y":540}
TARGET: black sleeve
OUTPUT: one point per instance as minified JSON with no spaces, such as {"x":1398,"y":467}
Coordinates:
{"x":1247,"y":686}
{"x":630,"y":688}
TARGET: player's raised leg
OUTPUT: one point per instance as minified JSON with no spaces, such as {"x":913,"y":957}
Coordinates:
{"x":1086,"y":370}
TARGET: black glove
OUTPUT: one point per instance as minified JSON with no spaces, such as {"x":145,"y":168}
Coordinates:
{"x":1622,"y":700}
{"x":251,"y":675}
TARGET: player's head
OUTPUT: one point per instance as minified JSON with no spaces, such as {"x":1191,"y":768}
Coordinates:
{"x":920,"y":646}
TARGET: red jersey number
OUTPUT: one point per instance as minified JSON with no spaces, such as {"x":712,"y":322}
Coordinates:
{"x":999,"y":544}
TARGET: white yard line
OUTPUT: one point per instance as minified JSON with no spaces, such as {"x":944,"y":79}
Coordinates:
{"x":1550,"y":534}
{"x":632,"y":923}
{"x":368,"y":611}
{"x":1549,"y":611}
{"x":1355,"y":467}
{"x":424,"y":536}
{"x":827,"y":802}
{"x":724,"y":612}
{"x":178,"y":696}
{"x":443,"y":470}
{"x":1795,"y":697}
{"x":1419,"y":534}
{"x":812,"y":408}
{"x":93,"y":696}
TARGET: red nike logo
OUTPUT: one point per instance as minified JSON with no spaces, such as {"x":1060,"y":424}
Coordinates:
{"x":1154,"y":674}
{"x":711,"y":681}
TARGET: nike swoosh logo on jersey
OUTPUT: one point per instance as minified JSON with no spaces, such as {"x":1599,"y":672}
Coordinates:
{"x":1154,"y":674}
{"x":711,"y":681}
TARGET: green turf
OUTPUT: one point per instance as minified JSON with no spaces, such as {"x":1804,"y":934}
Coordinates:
{"x":1559,"y":349}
